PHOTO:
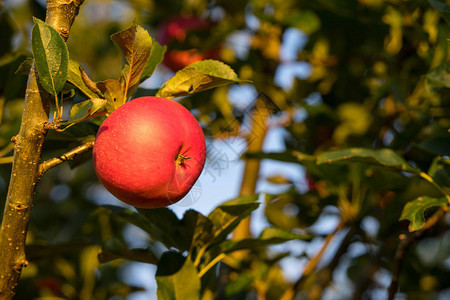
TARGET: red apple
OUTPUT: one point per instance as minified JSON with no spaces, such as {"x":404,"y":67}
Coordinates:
{"x":149,"y":152}
{"x":175,"y":30}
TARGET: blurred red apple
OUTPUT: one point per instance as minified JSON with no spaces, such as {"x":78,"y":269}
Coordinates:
{"x":149,"y":152}
{"x":175,"y":30}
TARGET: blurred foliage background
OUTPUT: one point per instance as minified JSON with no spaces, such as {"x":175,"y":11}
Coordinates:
{"x":372,"y":74}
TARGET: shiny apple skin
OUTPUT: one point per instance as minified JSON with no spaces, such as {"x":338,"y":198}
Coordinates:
{"x":149,"y":152}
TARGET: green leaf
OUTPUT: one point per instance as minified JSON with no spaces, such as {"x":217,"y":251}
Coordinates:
{"x":161,"y":223}
{"x":414,"y":211}
{"x":156,"y":57}
{"x":440,"y":171}
{"x":113,"y":249}
{"x":307,"y":21}
{"x":86,"y":109}
{"x":11,"y":85}
{"x":75,"y":77}
{"x":197,"y":77}
{"x":383,"y":157}
{"x":165,"y":227}
{"x":197,"y":228}
{"x":228,"y":215}
{"x":135,"y":45}
{"x":113,"y":92}
{"x":51,"y":57}
{"x":269,"y":236}
{"x":25,"y":67}
{"x":443,"y":8}
{"x":184,"y":284}
{"x":440,"y":76}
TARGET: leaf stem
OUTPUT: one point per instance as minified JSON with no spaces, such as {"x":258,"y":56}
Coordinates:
{"x":435,"y":184}
{"x":211,"y":264}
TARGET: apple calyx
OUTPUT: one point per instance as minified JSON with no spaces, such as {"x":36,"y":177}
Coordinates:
{"x":180,"y":159}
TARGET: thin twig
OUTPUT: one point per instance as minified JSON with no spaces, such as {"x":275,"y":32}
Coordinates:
{"x":53,"y":162}
{"x":7,"y":149}
{"x":290,"y":294}
{"x":6,"y":160}
{"x":405,"y":243}
{"x":315,"y":260}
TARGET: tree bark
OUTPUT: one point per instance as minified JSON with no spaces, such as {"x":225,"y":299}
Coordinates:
{"x":26,"y":162}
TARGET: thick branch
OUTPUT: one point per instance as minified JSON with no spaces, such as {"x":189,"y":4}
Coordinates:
{"x":27,"y":153}
{"x":61,"y":14}
{"x":24,"y":177}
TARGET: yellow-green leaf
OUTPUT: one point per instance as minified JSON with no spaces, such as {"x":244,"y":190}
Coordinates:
{"x":414,"y":210}
{"x":83,"y":110}
{"x":75,"y":78}
{"x":197,"y":77}
{"x":135,"y":45}
{"x":183,"y":284}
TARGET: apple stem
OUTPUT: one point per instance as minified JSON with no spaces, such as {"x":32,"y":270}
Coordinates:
{"x":180,"y":159}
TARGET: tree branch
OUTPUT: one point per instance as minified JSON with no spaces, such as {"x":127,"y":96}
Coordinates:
{"x":53,"y":162}
{"x":255,"y":140}
{"x":408,"y":241}
{"x":27,"y":153}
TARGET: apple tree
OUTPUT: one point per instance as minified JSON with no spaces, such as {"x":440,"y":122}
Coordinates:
{"x":357,"y":91}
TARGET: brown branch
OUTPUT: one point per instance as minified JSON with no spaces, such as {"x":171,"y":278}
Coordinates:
{"x":7,"y":149}
{"x":27,"y":153}
{"x":408,"y":241}
{"x":323,"y":281}
{"x":310,"y":267}
{"x":312,"y":263}
{"x":53,"y":162}
{"x":255,"y":140}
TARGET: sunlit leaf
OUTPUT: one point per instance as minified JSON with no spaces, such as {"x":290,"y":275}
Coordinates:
{"x":197,"y":77}
{"x":112,"y":89}
{"x":135,"y":45}
{"x":156,"y":57}
{"x":414,"y":211}
{"x":74,"y":77}
{"x":278,"y":179}
{"x":181,"y":285}
{"x":228,"y":215}
{"x":86,"y":109}
{"x":51,"y":56}
{"x":383,"y":157}
{"x":269,"y":236}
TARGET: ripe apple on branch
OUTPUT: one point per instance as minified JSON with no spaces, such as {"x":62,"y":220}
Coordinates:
{"x":149,"y":152}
